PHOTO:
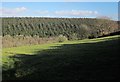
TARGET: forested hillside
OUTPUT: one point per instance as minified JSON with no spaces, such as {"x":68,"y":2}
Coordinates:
{"x":30,"y":30}
{"x":47,"y":27}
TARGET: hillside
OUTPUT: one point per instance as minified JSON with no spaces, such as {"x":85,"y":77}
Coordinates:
{"x":29,"y":30}
{"x":50,"y":27}
{"x":89,"y":59}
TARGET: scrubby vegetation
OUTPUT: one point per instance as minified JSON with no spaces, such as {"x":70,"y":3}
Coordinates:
{"x":31,"y":30}
{"x":9,"y":41}
{"x":62,"y":38}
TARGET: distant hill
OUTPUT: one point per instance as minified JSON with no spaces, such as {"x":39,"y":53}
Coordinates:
{"x":51,"y":27}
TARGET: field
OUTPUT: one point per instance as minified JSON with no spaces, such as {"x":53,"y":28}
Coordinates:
{"x":88,"y":59}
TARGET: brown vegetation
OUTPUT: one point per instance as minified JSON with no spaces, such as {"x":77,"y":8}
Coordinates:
{"x":8,"y":41}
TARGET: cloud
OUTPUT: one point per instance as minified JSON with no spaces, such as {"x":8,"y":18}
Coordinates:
{"x":42,"y":12}
{"x":21,"y":9}
{"x":67,"y":13}
{"x":12,"y":11}
{"x":47,"y":13}
{"x":104,"y":17}
{"x":76,"y":13}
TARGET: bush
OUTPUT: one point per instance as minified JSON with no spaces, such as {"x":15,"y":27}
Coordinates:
{"x":73,"y":37}
{"x":62,"y":38}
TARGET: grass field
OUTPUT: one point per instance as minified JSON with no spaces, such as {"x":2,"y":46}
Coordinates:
{"x":89,"y":59}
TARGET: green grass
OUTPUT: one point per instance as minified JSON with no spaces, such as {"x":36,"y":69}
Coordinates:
{"x":84,"y":59}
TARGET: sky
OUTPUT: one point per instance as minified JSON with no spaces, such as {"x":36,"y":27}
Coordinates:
{"x":60,"y":9}
{"x":59,"y":0}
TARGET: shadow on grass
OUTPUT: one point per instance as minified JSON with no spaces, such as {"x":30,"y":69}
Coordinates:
{"x":85,"y":61}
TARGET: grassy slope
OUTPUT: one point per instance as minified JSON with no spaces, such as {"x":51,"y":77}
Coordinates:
{"x":84,"y":59}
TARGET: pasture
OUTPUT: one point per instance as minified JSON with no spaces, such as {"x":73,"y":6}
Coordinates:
{"x":88,"y":59}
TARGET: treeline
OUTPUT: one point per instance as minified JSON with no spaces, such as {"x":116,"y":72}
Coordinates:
{"x":111,"y":34}
{"x":72,"y":28}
